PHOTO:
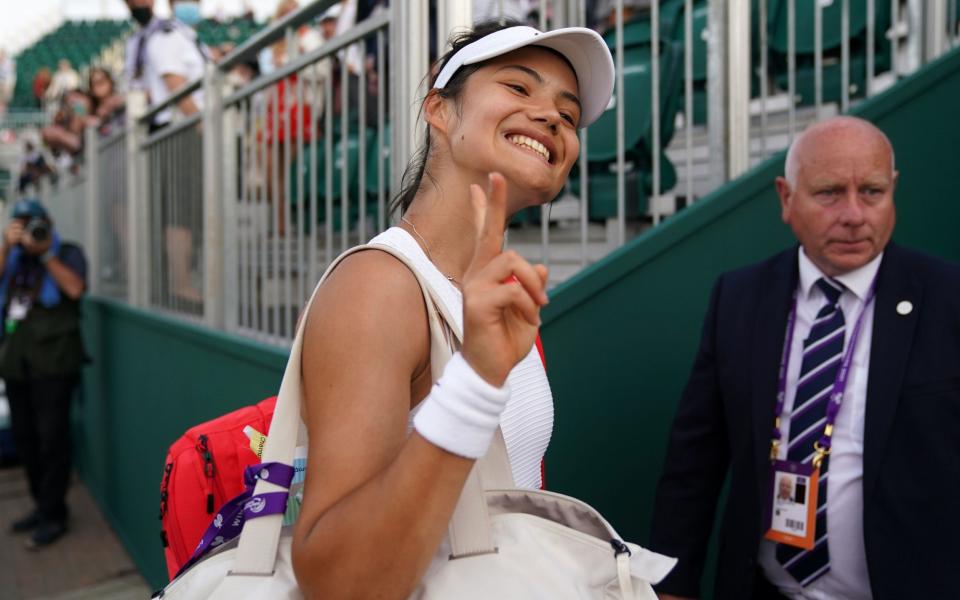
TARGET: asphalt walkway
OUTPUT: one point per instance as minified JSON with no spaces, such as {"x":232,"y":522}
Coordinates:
{"x":88,"y":563}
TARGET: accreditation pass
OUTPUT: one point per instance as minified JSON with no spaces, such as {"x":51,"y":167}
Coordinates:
{"x":792,"y":505}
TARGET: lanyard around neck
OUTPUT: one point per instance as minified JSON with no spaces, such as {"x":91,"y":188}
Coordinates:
{"x":822,"y":446}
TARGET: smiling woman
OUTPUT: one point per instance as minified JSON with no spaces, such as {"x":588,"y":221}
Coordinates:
{"x":391,"y":446}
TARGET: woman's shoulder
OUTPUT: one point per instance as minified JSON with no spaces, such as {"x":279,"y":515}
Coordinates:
{"x":375,"y":269}
{"x":370,"y":306}
{"x":374,"y":286}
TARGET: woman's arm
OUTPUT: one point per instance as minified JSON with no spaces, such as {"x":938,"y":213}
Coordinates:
{"x":376,"y":501}
{"x":366,"y":480}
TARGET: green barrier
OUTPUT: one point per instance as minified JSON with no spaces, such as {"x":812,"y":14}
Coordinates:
{"x":152,"y":377}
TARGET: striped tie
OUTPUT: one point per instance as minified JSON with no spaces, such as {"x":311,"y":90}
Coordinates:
{"x":822,"y":354}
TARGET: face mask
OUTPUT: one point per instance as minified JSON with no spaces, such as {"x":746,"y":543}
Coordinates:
{"x":187,"y":13}
{"x":79,"y":109}
{"x":142,"y":15}
{"x":236,"y":80}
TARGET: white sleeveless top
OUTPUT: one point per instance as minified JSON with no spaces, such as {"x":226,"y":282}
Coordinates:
{"x":527,"y":420}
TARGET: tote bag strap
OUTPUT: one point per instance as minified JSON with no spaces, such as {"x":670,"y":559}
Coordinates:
{"x":469,"y":528}
{"x":258,"y":542}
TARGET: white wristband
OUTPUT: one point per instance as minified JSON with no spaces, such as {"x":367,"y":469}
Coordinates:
{"x":462,"y":411}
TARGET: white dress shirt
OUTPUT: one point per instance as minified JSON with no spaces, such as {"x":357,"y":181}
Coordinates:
{"x":847,"y":578}
{"x":169,"y":51}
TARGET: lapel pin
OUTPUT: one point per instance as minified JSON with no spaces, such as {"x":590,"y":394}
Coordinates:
{"x":904,"y":307}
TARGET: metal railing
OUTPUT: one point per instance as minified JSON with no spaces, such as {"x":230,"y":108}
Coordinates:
{"x":15,"y":119}
{"x":705,"y":89}
{"x":111,"y":178}
{"x":229,"y":216}
{"x":308,"y":142}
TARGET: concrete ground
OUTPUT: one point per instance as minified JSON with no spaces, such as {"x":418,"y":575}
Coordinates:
{"x":87,"y":563}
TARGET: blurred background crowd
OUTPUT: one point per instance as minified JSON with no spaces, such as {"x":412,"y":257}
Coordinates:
{"x":75,"y":77}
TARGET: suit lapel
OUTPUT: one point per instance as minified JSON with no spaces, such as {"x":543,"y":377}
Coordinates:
{"x":889,"y":353}
{"x":769,"y":327}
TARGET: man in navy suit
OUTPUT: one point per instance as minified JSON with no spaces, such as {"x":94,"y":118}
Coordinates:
{"x":840,"y":359}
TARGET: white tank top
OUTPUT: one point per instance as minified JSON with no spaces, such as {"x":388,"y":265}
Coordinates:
{"x":527,"y":420}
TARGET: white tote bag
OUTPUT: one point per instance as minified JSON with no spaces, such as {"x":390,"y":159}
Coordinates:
{"x":504,"y":542}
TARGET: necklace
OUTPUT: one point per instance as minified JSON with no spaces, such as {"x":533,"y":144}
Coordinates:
{"x":426,"y":247}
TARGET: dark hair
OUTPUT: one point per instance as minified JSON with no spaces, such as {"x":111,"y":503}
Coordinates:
{"x":94,"y":101}
{"x":414,"y":173}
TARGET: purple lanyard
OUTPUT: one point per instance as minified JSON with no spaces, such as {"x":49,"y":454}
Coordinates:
{"x":228,"y":523}
{"x":839,"y":383}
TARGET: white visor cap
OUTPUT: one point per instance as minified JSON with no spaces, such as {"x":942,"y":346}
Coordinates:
{"x":584,"y":48}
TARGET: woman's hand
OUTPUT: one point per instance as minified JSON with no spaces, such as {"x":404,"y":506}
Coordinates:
{"x":502,"y":292}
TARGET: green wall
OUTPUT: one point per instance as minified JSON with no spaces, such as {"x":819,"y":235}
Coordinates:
{"x":152,"y":377}
{"x":619,"y":337}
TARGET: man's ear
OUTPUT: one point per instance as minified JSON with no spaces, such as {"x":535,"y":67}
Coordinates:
{"x":436,"y":111}
{"x":785,"y":193}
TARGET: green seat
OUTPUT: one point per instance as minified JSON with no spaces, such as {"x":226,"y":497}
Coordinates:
{"x":317,"y":165}
{"x":671,"y":19}
{"x":374,"y":165}
{"x":638,"y":130}
{"x":832,"y":48}
{"x":832,"y":35}
{"x":602,"y":198}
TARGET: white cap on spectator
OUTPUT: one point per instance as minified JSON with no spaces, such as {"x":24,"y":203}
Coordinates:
{"x":584,"y":48}
{"x":332,"y":13}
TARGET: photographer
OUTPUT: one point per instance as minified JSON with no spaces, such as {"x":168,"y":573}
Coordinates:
{"x":41,"y":354}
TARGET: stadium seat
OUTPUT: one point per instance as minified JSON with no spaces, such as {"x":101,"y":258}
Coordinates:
{"x":79,"y":41}
{"x":638,"y":129}
{"x":832,"y":41}
{"x":236,"y":31}
{"x":318,"y":164}
{"x":374,"y":166}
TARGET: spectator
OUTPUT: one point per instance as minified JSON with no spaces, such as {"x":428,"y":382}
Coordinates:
{"x":8,"y":79}
{"x":41,"y":81}
{"x":163,"y":56}
{"x":328,"y":22}
{"x":355,"y":59}
{"x":519,"y":10}
{"x":285,"y":112}
{"x":66,"y":79}
{"x":242,"y":73}
{"x":41,"y":282}
{"x":32,"y":167}
{"x":308,"y":39}
{"x":65,"y":136}
{"x":605,"y":12}
{"x":187,"y":12}
{"x":106,"y":105}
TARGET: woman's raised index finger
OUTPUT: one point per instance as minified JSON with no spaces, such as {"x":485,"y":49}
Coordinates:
{"x":491,"y":209}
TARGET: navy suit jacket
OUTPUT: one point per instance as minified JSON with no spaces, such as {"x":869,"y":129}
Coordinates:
{"x":911,"y":460}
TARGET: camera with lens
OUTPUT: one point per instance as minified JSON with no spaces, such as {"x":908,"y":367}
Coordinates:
{"x":39,"y":229}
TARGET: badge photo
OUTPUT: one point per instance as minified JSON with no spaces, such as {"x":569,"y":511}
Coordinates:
{"x":791,"y":511}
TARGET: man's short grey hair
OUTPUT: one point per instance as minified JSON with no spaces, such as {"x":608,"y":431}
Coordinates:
{"x":790,"y":164}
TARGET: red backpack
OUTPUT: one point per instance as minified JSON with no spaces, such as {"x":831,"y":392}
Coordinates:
{"x":203,"y":470}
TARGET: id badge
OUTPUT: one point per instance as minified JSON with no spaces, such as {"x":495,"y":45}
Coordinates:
{"x":792,"y":504}
{"x":18,"y":309}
